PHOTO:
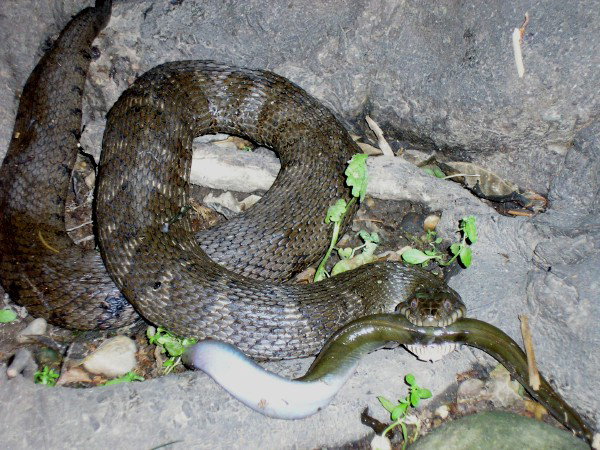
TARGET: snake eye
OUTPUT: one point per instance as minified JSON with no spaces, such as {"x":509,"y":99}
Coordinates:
{"x":414,"y":303}
{"x":447,"y":305}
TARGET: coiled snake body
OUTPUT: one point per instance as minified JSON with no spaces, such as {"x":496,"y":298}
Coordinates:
{"x":147,"y":243}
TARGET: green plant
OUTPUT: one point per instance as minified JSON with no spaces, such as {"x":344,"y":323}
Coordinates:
{"x":399,"y":411}
{"x":434,"y":171}
{"x":349,"y":260}
{"x":46,"y":376}
{"x":460,"y":250}
{"x":128,"y":377}
{"x":7,"y":315}
{"x":356,"y":177}
{"x":170,"y":344}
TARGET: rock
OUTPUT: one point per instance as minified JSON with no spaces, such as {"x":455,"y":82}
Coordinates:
{"x":36,"y":327}
{"x":470,"y":389}
{"x":496,"y":430}
{"x":380,"y":443}
{"x":115,"y":357}
{"x":22,"y":362}
{"x":442,"y":411}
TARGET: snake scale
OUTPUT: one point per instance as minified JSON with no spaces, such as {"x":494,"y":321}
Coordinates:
{"x":224,"y":284}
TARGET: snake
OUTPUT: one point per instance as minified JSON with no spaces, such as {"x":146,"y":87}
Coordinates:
{"x":224,"y":285}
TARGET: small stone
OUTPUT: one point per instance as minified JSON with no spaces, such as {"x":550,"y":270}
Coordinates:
{"x":22,"y":362}
{"x":469,"y":390}
{"x":502,"y":394}
{"x":381,"y":443}
{"x":442,"y":411}
{"x":46,"y":356}
{"x":431,"y":222}
{"x":37,"y":327}
{"x":115,"y":357}
{"x":74,"y":375}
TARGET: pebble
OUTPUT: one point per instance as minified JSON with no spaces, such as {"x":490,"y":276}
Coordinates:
{"x":431,"y":222}
{"x":22,"y":362}
{"x":469,"y":389}
{"x":442,"y":412}
{"x":36,"y":327}
{"x":381,"y":443}
{"x":115,"y":357}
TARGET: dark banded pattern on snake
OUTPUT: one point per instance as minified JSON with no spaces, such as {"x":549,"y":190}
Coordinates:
{"x":147,"y":244}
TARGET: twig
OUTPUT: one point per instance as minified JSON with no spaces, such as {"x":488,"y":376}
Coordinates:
{"x":534,"y":375}
{"x":366,"y":219}
{"x":522,"y":27}
{"x":383,"y":144}
{"x":517,"y":39}
{"x":461,"y":175}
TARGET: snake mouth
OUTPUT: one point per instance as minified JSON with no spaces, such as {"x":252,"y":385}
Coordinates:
{"x":432,"y":309}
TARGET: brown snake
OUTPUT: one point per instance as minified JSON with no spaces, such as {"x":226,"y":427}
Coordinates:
{"x":146,"y":240}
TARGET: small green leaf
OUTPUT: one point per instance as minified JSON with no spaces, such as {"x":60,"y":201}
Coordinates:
{"x":7,"y":315}
{"x":410,"y":379}
{"x":189,"y":341}
{"x":429,"y":171}
{"x":336,"y":211}
{"x":414,"y":398}
{"x":174,"y":348}
{"x":455,"y":248}
{"x":398,"y":411}
{"x":468,"y":224}
{"x":424,"y":393}
{"x":438,"y":173}
{"x":389,"y":406}
{"x":465,"y":256}
{"x":127,"y":378}
{"x":356,"y":175}
{"x":46,"y":376}
{"x":345,"y":253}
{"x":438,"y":241}
{"x":369,"y":237}
{"x":414,"y":256}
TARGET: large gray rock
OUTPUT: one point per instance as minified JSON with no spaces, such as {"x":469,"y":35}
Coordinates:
{"x":497,"y":430}
{"x":440,"y":75}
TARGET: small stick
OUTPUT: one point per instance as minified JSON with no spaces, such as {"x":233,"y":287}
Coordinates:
{"x":534,"y":375}
{"x":515,"y":212}
{"x":516,"y":43}
{"x":522,"y":27}
{"x":383,"y":144}
{"x":366,"y":219}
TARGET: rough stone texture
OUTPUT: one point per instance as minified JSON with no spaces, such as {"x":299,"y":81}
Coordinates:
{"x":439,"y":74}
{"x":498,"y":430}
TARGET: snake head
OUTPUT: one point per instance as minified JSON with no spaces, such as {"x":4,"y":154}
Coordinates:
{"x":432,"y":306}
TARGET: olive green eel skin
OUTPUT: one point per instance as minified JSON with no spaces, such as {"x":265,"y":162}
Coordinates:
{"x":147,"y":245}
